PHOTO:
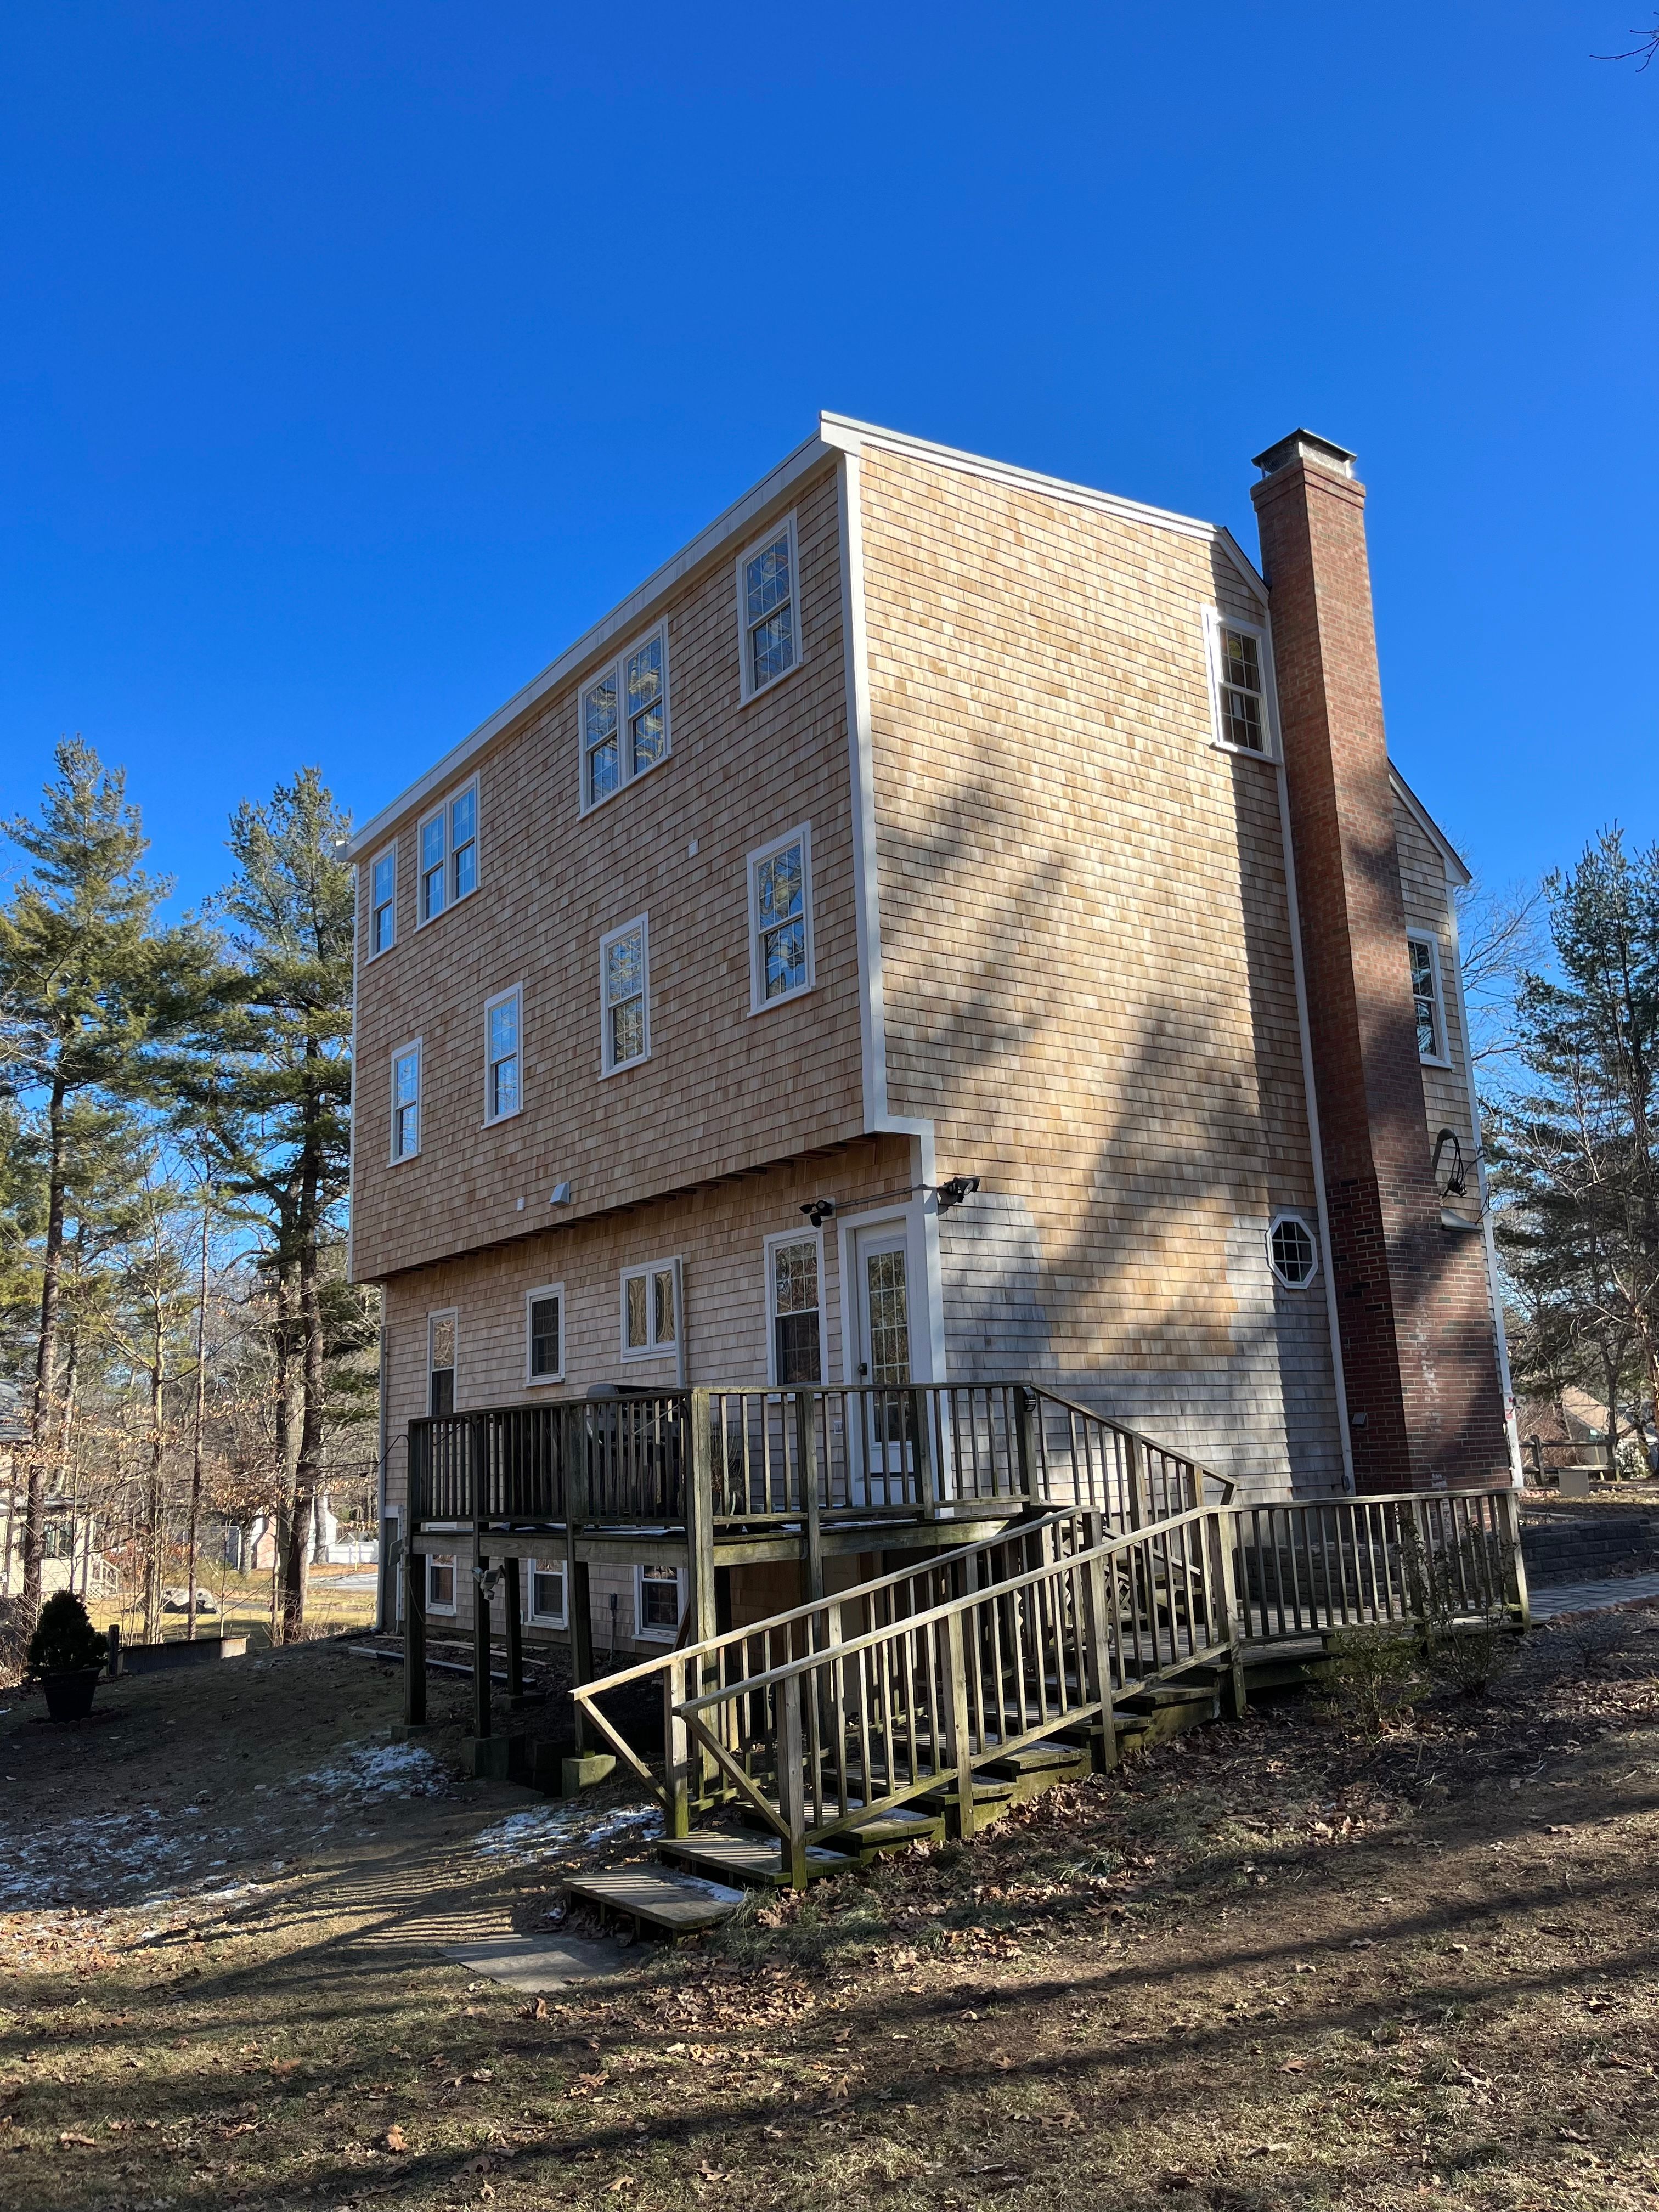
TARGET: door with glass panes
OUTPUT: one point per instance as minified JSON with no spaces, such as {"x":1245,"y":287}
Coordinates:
{"x":881,"y":1285}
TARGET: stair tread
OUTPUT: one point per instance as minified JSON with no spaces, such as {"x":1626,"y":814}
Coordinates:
{"x":750,"y":1859}
{"x":1034,"y":1757}
{"x":662,"y":1899}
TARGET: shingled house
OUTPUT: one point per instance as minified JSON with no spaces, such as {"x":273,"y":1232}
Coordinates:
{"x":948,"y":923}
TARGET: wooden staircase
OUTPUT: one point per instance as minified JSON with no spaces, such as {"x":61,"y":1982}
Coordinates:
{"x":926,"y":1703}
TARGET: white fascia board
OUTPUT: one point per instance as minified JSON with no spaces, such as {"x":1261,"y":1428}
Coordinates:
{"x":1455,"y":871}
{"x":852,"y":436}
{"x":635,"y":611}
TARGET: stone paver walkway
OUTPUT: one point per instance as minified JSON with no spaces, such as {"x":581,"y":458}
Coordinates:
{"x":1554,"y":1598}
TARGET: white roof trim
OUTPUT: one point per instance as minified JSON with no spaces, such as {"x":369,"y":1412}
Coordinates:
{"x":836,"y":434}
{"x":1456,"y":871}
{"x":852,"y":436}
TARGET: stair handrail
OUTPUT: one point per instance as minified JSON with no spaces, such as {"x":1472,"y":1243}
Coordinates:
{"x":1103,"y":1675}
{"x":584,"y":1694}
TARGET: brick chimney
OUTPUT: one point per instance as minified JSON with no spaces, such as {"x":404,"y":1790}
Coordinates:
{"x":1413,"y":1300}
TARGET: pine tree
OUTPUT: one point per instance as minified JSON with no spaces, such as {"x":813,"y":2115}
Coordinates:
{"x":90,"y":988}
{"x":291,"y":910}
{"x":1577,"y":1145}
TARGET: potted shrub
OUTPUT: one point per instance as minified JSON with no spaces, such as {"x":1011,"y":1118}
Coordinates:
{"x":69,"y":1654}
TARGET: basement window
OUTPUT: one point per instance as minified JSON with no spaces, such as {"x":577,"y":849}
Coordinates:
{"x":547,"y":1593}
{"x":1292,"y":1251}
{"x":440,"y":1582}
{"x":658,"y":1602}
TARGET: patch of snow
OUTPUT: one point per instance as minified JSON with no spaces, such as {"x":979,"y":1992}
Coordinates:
{"x":543,"y":1835}
{"x":43,"y":1867}
{"x":382,"y":1770}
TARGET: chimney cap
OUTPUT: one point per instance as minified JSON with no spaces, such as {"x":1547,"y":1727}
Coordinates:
{"x":1305,"y":446}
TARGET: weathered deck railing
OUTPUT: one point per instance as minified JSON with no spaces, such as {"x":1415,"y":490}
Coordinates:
{"x":817,"y":1720}
{"x":820,"y":1719}
{"x":924,"y":1451}
{"x":1318,"y":1565}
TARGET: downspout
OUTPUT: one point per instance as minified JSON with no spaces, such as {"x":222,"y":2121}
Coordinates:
{"x":1517,"y":1473}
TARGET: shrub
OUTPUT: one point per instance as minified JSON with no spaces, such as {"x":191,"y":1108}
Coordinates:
{"x":1465,"y":1636}
{"x":1370,"y":1677}
{"x":65,"y":1640}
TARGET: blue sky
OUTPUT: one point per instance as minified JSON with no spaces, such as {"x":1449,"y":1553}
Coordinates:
{"x":358,"y":356}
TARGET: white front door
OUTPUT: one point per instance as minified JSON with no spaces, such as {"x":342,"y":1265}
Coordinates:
{"x":883,"y":1288}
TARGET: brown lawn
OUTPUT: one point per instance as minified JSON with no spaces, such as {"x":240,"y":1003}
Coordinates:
{"x":1270,"y":1968}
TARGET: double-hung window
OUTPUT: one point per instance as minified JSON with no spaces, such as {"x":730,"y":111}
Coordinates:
{"x":383,"y":902}
{"x":543,"y":1334}
{"x":502,"y":1058}
{"x":547,"y":1593}
{"x":659,"y":1601}
{"x":1428,"y":1000}
{"x":624,"y":719}
{"x":625,"y":995}
{"x":650,"y":1310}
{"x":449,"y":853}
{"x":406,"y":1101}
{"x":781,"y":920}
{"x":1238,"y":668}
{"x":794,"y":1266}
{"x":768,"y":606}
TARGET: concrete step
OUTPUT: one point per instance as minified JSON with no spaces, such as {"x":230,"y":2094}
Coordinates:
{"x":755,"y":1861}
{"x":671,"y":1904}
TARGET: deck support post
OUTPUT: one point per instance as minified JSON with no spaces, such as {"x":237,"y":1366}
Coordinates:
{"x":792,"y":1788}
{"x":1097,"y":1643}
{"x":700,"y":1594}
{"x":1224,"y":1538}
{"x":579,"y":1605}
{"x":961,"y":1746}
{"x":480,"y":1647}
{"x":414,"y":1637}
{"x":513,"y":1609}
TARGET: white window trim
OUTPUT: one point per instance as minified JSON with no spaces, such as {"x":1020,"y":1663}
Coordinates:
{"x":758,"y":1002}
{"x":490,"y":1005}
{"x":795,"y":1237}
{"x":653,"y":1350}
{"x":1214,"y":622}
{"x":446,"y":1559}
{"x":1294,"y":1213}
{"x":751,"y":689}
{"x":385,"y":852}
{"x":641,"y":1633}
{"x":607,"y":1066}
{"x":562,"y":1618}
{"x":401,"y":1052}
{"x":440,"y":813}
{"x":1443,"y":1058}
{"x":627,"y":775}
{"x":437,"y":1314}
{"x":545,"y":1290}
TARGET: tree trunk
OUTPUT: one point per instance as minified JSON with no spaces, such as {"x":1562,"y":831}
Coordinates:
{"x":153,"y":1515}
{"x":45,"y":1358}
{"x":308,"y":1470}
{"x":201,"y":1411}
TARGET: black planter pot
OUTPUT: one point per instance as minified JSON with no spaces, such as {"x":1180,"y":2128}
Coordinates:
{"x":68,"y":1697}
